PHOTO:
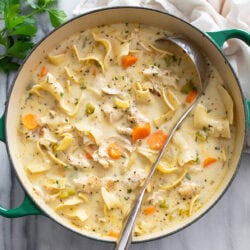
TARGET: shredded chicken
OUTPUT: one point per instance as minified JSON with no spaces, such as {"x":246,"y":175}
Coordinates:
{"x":158,"y":76}
{"x":112,"y":114}
{"x":111,"y":91}
{"x":101,"y":156}
{"x":78,"y":161}
{"x":188,"y":189}
{"x":136,"y":116}
{"x":156,"y":197}
{"x":109,"y":183}
{"x":88,"y":184}
{"x":153,"y":88}
{"x":124,"y":142}
{"x":124,"y":131}
{"x":135,"y":178}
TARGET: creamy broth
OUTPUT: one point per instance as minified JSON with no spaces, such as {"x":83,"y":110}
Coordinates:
{"x":96,"y":112}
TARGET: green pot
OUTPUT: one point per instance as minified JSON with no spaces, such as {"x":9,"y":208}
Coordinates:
{"x":210,"y":43}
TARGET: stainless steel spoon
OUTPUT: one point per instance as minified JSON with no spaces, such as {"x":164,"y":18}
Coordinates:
{"x":200,"y":64}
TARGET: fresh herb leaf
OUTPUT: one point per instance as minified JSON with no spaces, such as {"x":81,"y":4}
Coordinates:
{"x":32,"y":4}
{"x":45,"y":3}
{"x":57,"y":17}
{"x":25,"y":29}
{"x":2,"y":6}
{"x":19,"y":25}
{"x":20,"y":49}
{"x":7,"y":65}
{"x":13,"y":17}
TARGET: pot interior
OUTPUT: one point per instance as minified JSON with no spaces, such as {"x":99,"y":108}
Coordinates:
{"x":123,"y":15}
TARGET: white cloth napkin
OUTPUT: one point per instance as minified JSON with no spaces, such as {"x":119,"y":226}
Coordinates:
{"x":207,"y":15}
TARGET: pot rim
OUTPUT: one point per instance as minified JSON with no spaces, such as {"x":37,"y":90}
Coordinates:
{"x":206,"y":36}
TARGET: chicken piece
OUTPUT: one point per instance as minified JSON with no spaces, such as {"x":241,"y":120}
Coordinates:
{"x":124,"y":142}
{"x":160,"y":77}
{"x":112,"y":114}
{"x":110,"y":91}
{"x":88,"y":184}
{"x":101,"y":156}
{"x":136,"y":116}
{"x":63,"y":129}
{"x":135,"y":178}
{"x":152,"y":71}
{"x":124,"y":130}
{"x":188,"y":189}
{"x":156,"y":197}
{"x":195,"y":168}
{"x":109,"y":183}
{"x":78,"y":161}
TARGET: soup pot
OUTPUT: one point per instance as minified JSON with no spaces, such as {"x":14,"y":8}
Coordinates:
{"x":210,"y":43}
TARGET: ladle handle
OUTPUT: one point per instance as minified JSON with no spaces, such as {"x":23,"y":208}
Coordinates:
{"x":27,"y":207}
{"x":126,"y":233}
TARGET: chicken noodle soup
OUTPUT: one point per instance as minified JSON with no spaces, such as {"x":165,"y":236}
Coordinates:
{"x":97,"y":110}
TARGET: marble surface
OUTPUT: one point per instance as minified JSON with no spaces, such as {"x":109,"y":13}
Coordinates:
{"x":225,"y":227}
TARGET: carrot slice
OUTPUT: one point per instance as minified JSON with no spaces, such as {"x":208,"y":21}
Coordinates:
{"x":208,"y":161}
{"x":128,"y":61}
{"x":30,"y":121}
{"x":191,"y":96}
{"x":140,"y":131}
{"x":113,"y":234}
{"x":157,"y":140}
{"x":94,"y":72}
{"x":114,"y":151}
{"x":149,"y":210}
{"x":44,"y":71}
{"x":88,"y":156}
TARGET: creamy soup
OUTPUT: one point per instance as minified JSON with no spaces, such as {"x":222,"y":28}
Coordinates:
{"x":96,"y":112}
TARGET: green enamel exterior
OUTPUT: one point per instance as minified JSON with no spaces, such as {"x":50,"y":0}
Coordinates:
{"x":28,"y":207}
{"x":2,"y":134}
{"x":220,"y":37}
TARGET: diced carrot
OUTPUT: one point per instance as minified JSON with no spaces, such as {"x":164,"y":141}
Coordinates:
{"x":149,"y":210}
{"x":94,"y":72}
{"x":140,"y":131}
{"x":128,"y":61}
{"x":44,"y":71}
{"x":208,"y":161}
{"x":88,"y":156}
{"x":30,"y":121}
{"x":113,"y":234}
{"x":191,"y":96}
{"x":114,"y":151}
{"x":157,"y":140}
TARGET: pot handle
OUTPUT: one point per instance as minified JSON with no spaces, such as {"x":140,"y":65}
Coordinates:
{"x":27,"y":207}
{"x":219,"y":37}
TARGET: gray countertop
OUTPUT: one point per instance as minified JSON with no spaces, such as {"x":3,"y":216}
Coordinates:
{"x":225,"y":227}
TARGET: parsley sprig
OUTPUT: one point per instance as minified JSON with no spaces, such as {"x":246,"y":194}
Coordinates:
{"x":18,"y":26}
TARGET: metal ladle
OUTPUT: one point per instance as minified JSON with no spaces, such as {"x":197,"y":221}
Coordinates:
{"x":200,"y":64}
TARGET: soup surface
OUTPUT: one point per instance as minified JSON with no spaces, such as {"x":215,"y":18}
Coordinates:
{"x":96,"y":112}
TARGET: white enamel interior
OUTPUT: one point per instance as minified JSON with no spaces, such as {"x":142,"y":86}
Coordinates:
{"x":123,"y":15}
